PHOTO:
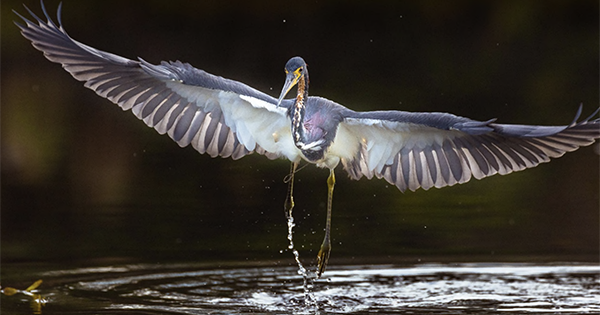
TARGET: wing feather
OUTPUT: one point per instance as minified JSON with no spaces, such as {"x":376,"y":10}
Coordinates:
{"x":226,"y":118}
{"x":217,"y":116}
{"x":432,"y":167}
{"x":424,"y":150}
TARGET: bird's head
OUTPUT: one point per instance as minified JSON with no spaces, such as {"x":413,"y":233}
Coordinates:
{"x":295,"y":69}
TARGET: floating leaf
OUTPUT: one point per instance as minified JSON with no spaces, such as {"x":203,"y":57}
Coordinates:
{"x":10,"y":291}
{"x":34,"y":286}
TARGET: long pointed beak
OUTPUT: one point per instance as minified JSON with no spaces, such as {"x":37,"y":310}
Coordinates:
{"x":290,"y":81}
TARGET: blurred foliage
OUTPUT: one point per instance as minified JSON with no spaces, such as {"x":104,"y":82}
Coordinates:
{"x":95,"y":183}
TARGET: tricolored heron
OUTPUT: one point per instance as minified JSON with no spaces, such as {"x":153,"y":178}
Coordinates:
{"x":226,"y":118}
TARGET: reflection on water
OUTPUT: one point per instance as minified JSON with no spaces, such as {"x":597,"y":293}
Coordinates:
{"x":441,"y":289}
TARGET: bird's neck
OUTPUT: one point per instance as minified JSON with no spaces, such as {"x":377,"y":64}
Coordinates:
{"x":299,"y":108}
{"x":302,"y":93}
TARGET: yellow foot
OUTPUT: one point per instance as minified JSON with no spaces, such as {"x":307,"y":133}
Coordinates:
{"x":322,"y":258}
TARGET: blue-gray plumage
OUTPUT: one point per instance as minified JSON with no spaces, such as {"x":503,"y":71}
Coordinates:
{"x":227,"y":118}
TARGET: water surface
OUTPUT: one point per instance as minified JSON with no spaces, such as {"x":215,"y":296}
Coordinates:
{"x":481,"y":288}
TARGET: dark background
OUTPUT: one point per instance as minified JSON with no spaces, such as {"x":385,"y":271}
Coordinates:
{"x":84,"y":182}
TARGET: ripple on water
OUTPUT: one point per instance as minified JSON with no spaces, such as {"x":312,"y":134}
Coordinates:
{"x":464,"y":288}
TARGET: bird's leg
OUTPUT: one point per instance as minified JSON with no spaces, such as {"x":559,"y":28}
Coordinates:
{"x":323,"y":255}
{"x":289,"y":199}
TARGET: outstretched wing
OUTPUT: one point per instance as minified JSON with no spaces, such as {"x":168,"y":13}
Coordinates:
{"x":424,"y":150}
{"x":215,"y":115}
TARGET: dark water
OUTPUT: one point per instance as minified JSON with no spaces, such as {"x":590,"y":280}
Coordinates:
{"x":386,"y":289}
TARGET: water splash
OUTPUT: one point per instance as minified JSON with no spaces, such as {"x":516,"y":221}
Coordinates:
{"x":307,"y":277}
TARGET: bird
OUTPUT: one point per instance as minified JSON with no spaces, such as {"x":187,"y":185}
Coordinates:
{"x":227,"y":118}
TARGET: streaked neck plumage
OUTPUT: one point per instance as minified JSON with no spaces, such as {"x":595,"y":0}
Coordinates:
{"x":299,"y":109}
